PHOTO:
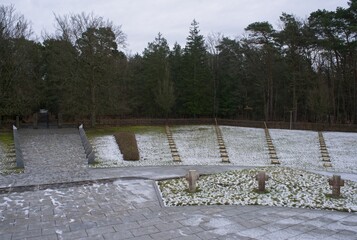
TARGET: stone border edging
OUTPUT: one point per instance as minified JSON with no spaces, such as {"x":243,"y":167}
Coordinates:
{"x":87,"y":146}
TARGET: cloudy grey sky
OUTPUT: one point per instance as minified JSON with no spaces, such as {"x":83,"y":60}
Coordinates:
{"x":142,"y":20}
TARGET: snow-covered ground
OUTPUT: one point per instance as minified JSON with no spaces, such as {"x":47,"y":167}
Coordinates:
{"x":297,"y":149}
{"x":153,"y":148}
{"x":7,"y":160}
{"x":285,"y":187}
{"x":342,"y":148}
{"x":197,"y":145}
{"x":246,"y":146}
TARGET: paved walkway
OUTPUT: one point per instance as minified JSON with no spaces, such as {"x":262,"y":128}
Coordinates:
{"x":71,"y":201}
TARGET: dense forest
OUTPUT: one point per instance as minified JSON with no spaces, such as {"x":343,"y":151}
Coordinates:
{"x":308,"y":69}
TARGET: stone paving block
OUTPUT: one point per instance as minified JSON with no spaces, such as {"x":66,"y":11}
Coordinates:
{"x":144,"y":231}
{"x":25,"y":234}
{"x":46,"y":237}
{"x":127,"y":226}
{"x":168,"y":226}
{"x":254,"y":232}
{"x":121,"y":234}
{"x":192,"y":237}
{"x":99,"y":230}
{"x":166,"y":235}
{"x":150,"y":222}
{"x":54,"y":230}
{"x":97,"y":237}
{"x":132,"y":218}
{"x":80,"y":225}
{"x":73,"y":235}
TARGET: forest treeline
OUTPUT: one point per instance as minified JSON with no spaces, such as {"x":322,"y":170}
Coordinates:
{"x":307,"y":69}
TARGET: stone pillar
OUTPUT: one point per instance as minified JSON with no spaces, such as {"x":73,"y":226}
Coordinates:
{"x":192,"y":178}
{"x":18,"y":151}
{"x":17,"y":122}
{"x":35,"y":120}
{"x":60,"y":120}
{"x":336,"y":183}
{"x":261,"y":178}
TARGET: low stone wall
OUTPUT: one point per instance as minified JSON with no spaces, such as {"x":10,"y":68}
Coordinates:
{"x":87,"y":146}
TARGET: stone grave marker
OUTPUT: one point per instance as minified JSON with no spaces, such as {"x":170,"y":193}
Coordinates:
{"x":192,"y":177}
{"x":336,"y":183}
{"x":261,"y":177}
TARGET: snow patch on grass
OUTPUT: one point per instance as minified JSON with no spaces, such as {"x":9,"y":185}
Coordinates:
{"x":197,"y":144}
{"x":342,"y":148}
{"x":246,"y":146}
{"x":297,"y":149}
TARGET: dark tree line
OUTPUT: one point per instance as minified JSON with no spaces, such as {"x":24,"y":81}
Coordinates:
{"x":306,"y":69}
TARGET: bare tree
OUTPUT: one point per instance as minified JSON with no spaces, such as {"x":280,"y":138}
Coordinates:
{"x":71,"y":27}
{"x":12,"y":24}
{"x":212,"y":41}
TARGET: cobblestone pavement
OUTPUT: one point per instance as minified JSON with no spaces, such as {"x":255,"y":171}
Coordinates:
{"x":124,"y":204}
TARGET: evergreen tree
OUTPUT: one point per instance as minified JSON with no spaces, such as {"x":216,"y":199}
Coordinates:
{"x":197,"y":80}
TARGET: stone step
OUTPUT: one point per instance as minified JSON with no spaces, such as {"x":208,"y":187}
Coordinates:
{"x":225,"y":159}
{"x":326,"y":159}
{"x":224,"y":155}
{"x":177,"y":159}
{"x":275,"y":161}
{"x":273,"y":156}
{"x":327,"y":164}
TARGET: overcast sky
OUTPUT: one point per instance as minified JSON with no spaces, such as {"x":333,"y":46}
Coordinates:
{"x":142,"y":20}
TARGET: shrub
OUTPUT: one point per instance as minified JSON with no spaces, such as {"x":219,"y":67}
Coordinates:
{"x":127,"y":145}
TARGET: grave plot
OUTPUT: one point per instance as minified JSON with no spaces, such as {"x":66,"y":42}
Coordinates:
{"x":107,"y":151}
{"x":153,"y":148}
{"x":342,"y":148}
{"x":285,"y":187}
{"x":8,"y":159}
{"x":246,"y":146}
{"x":297,"y":149}
{"x":197,"y":145}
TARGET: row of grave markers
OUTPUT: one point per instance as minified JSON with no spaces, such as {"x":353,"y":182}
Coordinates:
{"x":175,"y":155}
{"x":222,"y":147}
{"x":324,"y":153}
{"x":335,"y":182}
{"x":272,"y":152}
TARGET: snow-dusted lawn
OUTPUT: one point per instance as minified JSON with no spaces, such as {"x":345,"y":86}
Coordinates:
{"x":342,"y":148}
{"x":7,"y":160}
{"x":246,"y":146}
{"x":286,"y":187}
{"x":197,"y":144}
{"x":153,"y":149}
{"x":297,"y":149}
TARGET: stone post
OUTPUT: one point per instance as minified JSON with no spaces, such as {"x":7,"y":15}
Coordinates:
{"x":18,"y":151}
{"x":17,"y":121}
{"x":192,"y":177}
{"x":35,"y":120}
{"x":60,"y":120}
{"x":336,"y":183}
{"x":261,"y":178}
